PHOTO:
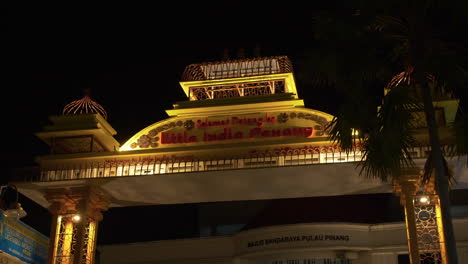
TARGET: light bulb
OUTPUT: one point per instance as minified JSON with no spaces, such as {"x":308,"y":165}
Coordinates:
{"x":76,"y":218}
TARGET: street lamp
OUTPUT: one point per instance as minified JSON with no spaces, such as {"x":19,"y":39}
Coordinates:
{"x":11,"y":209}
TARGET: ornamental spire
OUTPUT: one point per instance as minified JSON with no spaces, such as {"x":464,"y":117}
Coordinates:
{"x":84,"y":106}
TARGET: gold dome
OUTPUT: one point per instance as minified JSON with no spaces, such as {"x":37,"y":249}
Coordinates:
{"x":84,"y":106}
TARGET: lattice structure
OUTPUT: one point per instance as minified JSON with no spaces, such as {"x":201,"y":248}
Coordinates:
{"x":66,"y":237}
{"x":237,"y":68}
{"x":429,"y":238}
{"x":153,"y":165}
{"x":89,"y":242}
{"x":423,"y":217}
{"x":212,"y":79}
{"x":66,"y":240}
{"x":237,"y":90}
{"x":77,"y":212}
{"x":84,"y":106}
{"x":255,"y":158}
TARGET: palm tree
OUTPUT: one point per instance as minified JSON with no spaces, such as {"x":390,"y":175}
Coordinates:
{"x":413,"y":49}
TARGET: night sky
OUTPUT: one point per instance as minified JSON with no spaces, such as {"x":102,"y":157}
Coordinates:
{"x":132,"y":58}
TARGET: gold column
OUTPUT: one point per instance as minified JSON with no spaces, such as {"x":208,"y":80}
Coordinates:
{"x":430,"y":226}
{"x":423,"y":218}
{"x":76,"y":213}
{"x":406,"y":186}
{"x":440,"y":229}
{"x":68,"y":245}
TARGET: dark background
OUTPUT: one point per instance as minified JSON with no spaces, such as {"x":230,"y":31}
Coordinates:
{"x":132,"y":58}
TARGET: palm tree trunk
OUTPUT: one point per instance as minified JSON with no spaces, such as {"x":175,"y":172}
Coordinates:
{"x":441,"y":179}
{"x":417,"y":32}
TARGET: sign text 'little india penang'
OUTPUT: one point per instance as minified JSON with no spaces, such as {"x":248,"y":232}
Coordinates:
{"x":231,"y":131}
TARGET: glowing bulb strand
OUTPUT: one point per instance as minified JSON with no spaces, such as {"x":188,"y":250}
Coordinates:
{"x":84,"y":106}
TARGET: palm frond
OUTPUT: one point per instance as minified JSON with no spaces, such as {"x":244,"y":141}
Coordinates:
{"x":389,"y":24}
{"x":341,"y":133}
{"x":459,"y":148}
{"x":387,"y":146}
{"x":429,"y":168}
{"x":356,"y":114}
{"x":402,"y":78}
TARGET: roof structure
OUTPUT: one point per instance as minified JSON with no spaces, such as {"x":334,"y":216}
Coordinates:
{"x":238,"y":78}
{"x":237,"y":68}
{"x":84,"y":106}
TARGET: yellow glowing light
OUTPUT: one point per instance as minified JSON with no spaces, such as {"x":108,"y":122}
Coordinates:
{"x":91,"y":242}
{"x":66,"y":249}
{"x":424,"y":199}
{"x":76,"y":218}
{"x":84,"y":106}
{"x":273,"y":108}
{"x":290,"y":85}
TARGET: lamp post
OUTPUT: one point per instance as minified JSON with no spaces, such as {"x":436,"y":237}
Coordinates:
{"x":11,"y":209}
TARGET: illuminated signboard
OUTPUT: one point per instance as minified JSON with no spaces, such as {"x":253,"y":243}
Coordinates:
{"x":230,"y":128}
{"x":20,"y":240}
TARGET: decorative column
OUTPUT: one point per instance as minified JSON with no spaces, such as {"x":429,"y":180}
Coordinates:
{"x":423,"y":218}
{"x":429,"y":226}
{"x":76,"y":212}
{"x":407,"y":186}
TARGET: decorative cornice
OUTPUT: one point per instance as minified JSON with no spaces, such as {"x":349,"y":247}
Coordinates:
{"x":87,"y":200}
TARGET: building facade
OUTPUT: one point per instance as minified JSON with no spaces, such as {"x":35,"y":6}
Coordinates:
{"x":316,"y":243}
{"x":243,"y":134}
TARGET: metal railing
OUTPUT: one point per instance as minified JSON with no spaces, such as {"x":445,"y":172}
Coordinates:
{"x":152,"y":165}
